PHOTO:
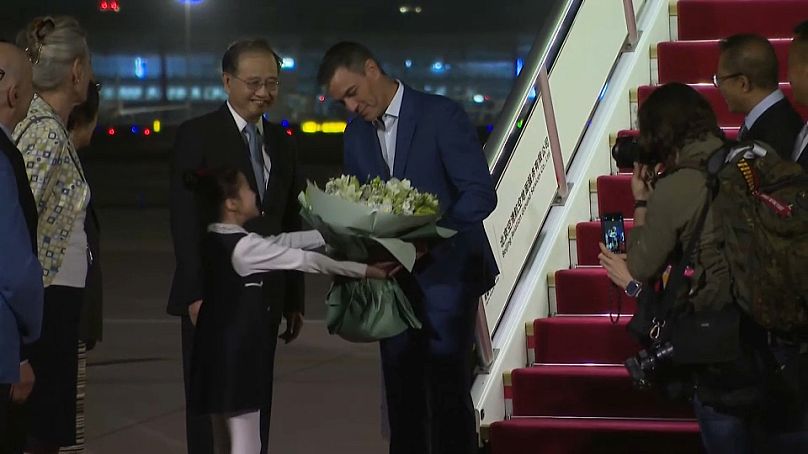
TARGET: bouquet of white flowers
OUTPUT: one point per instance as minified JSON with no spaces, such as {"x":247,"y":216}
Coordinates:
{"x":368,"y":223}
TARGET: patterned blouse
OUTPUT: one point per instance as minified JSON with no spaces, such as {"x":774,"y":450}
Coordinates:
{"x":57,"y":181}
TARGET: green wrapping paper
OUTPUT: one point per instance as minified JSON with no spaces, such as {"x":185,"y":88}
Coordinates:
{"x":367,"y":310}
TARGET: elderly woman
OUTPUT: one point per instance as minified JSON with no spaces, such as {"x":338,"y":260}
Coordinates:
{"x":58,"y":50}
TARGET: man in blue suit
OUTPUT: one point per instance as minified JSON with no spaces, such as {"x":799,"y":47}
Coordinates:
{"x":21,"y":289}
{"x":403,"y":133}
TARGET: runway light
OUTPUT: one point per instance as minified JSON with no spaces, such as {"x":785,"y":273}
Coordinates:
{"x":111,"y":131}
{"x":157,"y":126}
{"x":310,"y":127}
{"x":439,"y":68}
{"x":333,"y":127}
{"x":147,"y":132}
{"x":288,"y":63}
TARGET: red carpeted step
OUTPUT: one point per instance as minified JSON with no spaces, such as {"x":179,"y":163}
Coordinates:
{"x":567,"y":339}
{"x":589,"y":291}
{"x":702,"y":60}
{"x":594,"y":436}
{"x":587,"y":237}
{"x":711,"y":19}
{"x":587,"y":390}
{"x":722,"y":112}
{"x":614,"y":195}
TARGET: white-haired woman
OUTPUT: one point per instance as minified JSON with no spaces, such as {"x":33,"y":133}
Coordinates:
{"x":58,"y":49}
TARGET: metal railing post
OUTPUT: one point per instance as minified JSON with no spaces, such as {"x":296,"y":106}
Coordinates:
{"x":631,"y":26}
{"x":485,"y":351}
{"x":552,"y":134}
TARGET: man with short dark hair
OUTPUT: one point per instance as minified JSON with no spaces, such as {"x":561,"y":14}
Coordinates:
{"x":236,"y":135}
{"x":402,"y":133}
{"x":748,"y":80}
{"x":21,"y":288}
{"x":798,"y":77}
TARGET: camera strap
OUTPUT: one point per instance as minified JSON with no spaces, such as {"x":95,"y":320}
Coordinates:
{"x":664,"y":310}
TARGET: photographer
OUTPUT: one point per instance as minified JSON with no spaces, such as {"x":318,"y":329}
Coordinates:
{"x":679,"y":128}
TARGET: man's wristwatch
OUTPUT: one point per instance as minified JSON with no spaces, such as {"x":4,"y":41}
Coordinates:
{"x":633,"y":289}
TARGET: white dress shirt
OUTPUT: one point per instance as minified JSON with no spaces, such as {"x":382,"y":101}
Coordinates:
{"x":241,"y":123}
{"x":387,"y":128}
{"x":802,"y":142}
{"x":286,"y":251}
{"x":773,"y":98}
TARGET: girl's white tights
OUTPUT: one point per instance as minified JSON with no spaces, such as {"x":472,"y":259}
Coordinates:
{"x":236,"y":433}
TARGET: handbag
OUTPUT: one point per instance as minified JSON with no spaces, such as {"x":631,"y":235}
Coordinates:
{"x":694,"y":337}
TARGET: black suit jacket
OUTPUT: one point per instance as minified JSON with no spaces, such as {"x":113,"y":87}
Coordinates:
{"x":779,"y":127}
{"x":27,"y":201}
{"x":210,"y":141}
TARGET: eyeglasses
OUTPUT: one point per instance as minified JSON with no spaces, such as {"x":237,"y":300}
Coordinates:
{"x":254,"y":85}
{"x":718,"y":79}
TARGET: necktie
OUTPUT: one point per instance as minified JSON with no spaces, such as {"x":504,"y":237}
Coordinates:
{"x":256,"y":156}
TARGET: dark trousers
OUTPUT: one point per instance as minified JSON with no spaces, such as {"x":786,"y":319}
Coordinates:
{"x":428,"y":376}
{"x":779,"y":427}
{"x":13,"y":422}
{"x":198,"y":430}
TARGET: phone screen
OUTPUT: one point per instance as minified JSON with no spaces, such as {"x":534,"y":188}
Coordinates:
{"x":614,"y":232}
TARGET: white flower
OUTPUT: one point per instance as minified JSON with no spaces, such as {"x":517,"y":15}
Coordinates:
{"x":393,"y":196}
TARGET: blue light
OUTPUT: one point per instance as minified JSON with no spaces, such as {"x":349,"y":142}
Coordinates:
{"x":408,"y":63}
{"x":288,"y":63}
{"x":532,"y":94}
{"x":285,"y":123}
{"x":134,"y":129}
{"x":489,"y":128}
{"x":438,"y":67}
{"x":478,"y":98}
{"x":603,"y":91}
{"x":191,"y":2}
{"x":140,"y":68}
{"x":520,"y":63}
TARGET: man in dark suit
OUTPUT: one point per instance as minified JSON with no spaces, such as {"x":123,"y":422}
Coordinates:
{"x":748,"y":80}
{"x":21,"y":290}
{"x":403,"y":133}
{"x":236,"y":135}
{"x":798,"y":76}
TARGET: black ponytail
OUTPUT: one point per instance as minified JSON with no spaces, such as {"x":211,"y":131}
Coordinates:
{"x":211,"y":188}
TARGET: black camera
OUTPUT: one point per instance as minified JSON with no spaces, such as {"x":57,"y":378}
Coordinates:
{"x":644,"y":367}
{"x":626,"y":151}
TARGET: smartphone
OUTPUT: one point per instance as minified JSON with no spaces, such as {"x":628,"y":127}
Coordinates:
{"x":614,"y":232}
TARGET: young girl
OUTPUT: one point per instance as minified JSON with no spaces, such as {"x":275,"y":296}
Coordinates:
{"x":230,"y":355}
